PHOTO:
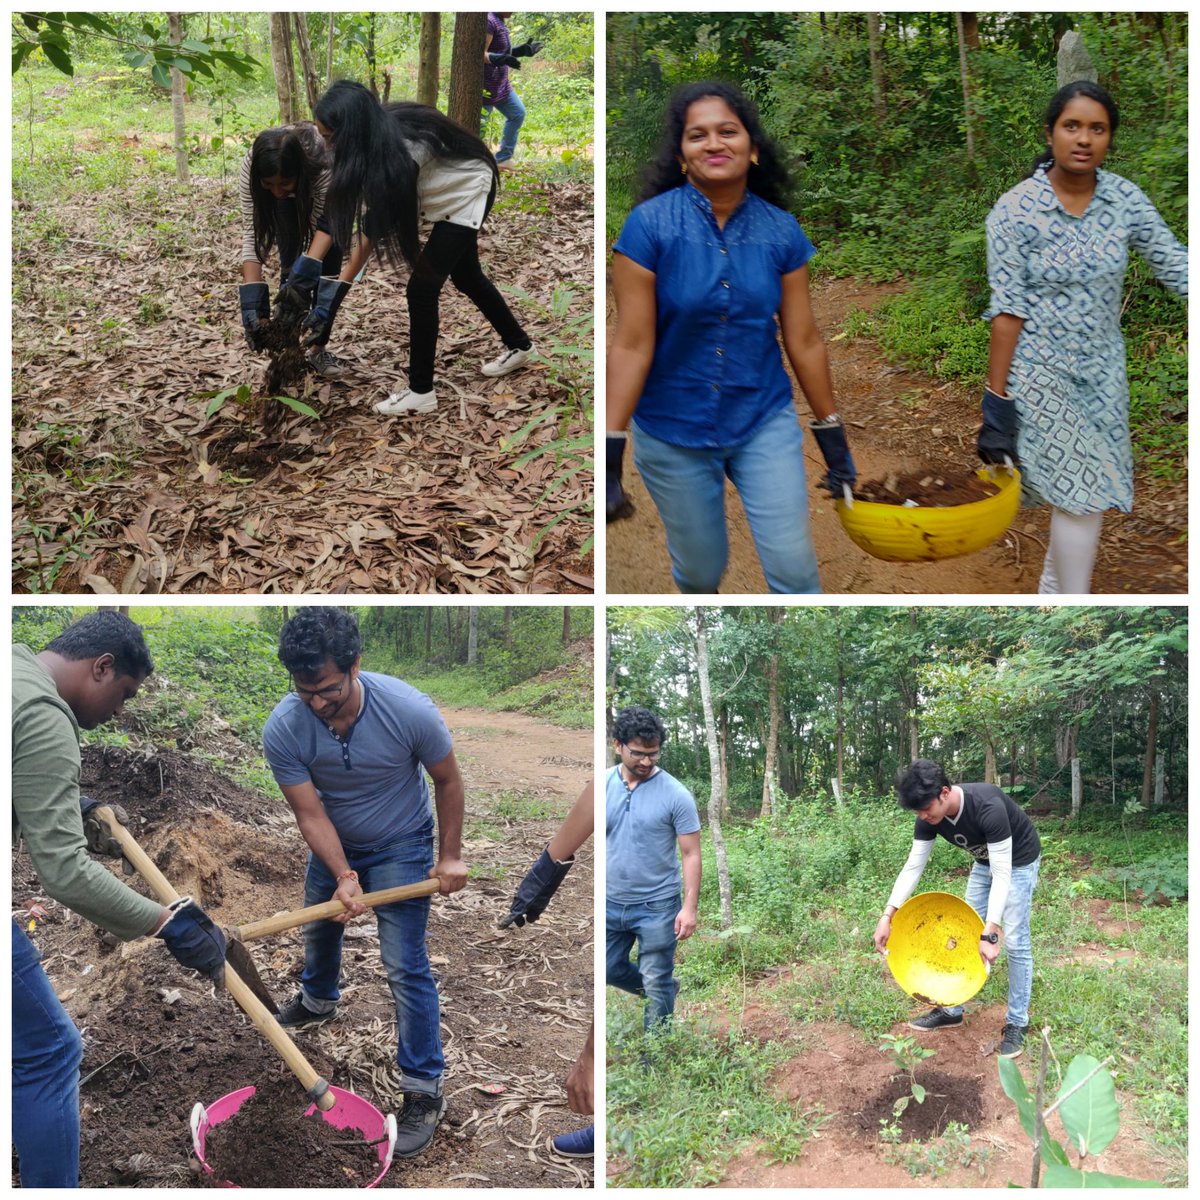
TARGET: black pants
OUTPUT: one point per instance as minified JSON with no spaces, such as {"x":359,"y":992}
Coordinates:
{"x":452,"y":252}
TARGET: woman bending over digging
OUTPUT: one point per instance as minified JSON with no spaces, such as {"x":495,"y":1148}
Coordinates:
{"x":1056,"y":398}
{"x":284,"y":180}
{"x":395,"y":167}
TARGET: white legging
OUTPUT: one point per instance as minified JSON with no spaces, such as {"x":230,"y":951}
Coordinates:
{"x":1072,"y":554}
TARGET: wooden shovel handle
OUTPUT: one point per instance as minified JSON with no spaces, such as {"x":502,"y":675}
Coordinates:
{"x":333,"y":908}
{"x":250,"y":1003}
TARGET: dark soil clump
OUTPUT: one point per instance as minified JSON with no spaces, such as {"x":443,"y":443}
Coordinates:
{"x":270,"y":1142}
{"x":928,"y":489}
{"x":947,"y":1098}
{"x":281,"y":340}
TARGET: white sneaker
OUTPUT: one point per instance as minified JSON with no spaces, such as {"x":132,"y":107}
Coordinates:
{"x":407,"y":401}
{"x":509,"y":361}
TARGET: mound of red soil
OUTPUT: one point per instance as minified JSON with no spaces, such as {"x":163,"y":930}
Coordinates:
{"x":943,"y":490}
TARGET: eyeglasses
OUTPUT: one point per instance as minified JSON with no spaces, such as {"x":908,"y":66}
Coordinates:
{"x":329,"y":693}
{"x":644,"y":755}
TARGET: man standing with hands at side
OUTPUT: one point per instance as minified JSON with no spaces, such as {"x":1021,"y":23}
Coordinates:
{"x":981,"y":819}
{"x":648,"y":814}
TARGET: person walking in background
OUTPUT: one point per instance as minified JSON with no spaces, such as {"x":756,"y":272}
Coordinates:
{"x":499,"y":57}
{"x":705,"y":265}
{"x":1057,"y":399}
{"x":651,"y":823}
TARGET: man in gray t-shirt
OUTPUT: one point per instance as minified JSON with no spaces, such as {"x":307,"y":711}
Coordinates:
{"x":649,"y":814}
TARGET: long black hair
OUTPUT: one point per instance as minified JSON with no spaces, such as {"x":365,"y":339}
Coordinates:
{"x":281,"y":152}
{"x":768,"y":179}
{"x":1060,"y":100}
{"x":374,"y":168}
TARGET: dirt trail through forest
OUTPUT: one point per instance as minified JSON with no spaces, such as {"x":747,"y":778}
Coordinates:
{"x":902,"y":419}
{"x":516,"y":1004}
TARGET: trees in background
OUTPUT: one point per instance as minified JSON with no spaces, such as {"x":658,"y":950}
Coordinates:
{"x":1015,"y":695}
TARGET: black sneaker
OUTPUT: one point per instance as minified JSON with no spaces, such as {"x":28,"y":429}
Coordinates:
{"x":938,"y":1018}
{"x":1012,"y":1041}
{"x":297,"y":1013}
{"x":417,"y":1121}
{"x":327,"y":365}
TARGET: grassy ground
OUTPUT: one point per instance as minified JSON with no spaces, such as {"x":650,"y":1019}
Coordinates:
{"x":808,"y":893}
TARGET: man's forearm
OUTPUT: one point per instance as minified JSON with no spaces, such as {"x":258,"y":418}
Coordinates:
{"x":691,"y":882}
{"x":322,"y":839}
{"x":449,"y":798}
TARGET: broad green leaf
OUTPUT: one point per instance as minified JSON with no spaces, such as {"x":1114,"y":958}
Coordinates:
{"x":918,"y":1093}
{"x":298,"y":406}
{"x":161,"y":75}
{"x":195,"y":46}
{"x":138,"y":58}
{"x":59,"y":58}
{"x":182,"y":64}
{"x":214,"y":405}
{"x":1059,"y":1176}
{"x":1013,"y":1083}
{"x":1091,"y":1116}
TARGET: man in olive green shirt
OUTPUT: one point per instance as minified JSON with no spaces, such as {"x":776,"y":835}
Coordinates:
{"x":82,"y":679}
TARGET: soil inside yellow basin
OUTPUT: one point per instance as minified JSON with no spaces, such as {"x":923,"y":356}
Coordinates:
{"x":944,"y":489}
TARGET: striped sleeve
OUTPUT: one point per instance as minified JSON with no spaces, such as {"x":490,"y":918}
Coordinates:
{"x":249,"y":254}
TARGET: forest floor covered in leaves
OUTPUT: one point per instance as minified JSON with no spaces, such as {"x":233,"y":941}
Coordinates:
{"x":126,"y":313}
{"x":515,"y":1003}
{"x":903,"y":420}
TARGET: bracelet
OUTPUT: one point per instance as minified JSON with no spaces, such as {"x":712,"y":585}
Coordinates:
{"x":348,"y":875}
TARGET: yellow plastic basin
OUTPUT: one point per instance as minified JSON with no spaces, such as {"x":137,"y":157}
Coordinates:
{"x":933,"y":949}
{"x":921,"y":534}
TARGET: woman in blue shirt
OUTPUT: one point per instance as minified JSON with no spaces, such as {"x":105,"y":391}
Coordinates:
{"x":704,"y":265}
{"x":1056,"y":398}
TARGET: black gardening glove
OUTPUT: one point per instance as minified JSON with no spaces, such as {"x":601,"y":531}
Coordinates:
{"x":300,"y":288}
{"x":194,"y":940}
{"x":527,"y":49}
{"x":255,"y":300}
{"x":505,"y":60}
{"x":100,"y":839}
{"x":318,"y":325}
{"x":616,"y":503}
{"x":831,"y":438}
{"x":536,"y":889}
{"x":998,"y":433}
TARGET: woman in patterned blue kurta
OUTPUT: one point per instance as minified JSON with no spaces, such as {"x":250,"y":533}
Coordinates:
{"x":1057,"y":399}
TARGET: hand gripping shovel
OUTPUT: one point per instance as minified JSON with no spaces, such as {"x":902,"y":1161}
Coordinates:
{"x":317,"y":1088}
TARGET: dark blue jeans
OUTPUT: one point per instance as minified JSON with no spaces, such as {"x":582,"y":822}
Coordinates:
{"x":46,"y":1053}
{"x":401,"y":945}
{"x":652,"y":927}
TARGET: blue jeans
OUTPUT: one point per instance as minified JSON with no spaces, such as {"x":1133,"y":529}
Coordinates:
{"x":1018,"y":946}
{"x":513,"y":112}
{"x":652,"y":926}
{"x":688,"y":488}
{"x":46,"y":1053}
{"x":401,"y":946}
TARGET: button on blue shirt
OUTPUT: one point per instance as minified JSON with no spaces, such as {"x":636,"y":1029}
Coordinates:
{"x":717,"y":374}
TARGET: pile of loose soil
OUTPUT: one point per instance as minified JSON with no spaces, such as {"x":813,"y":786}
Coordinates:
{"x":947,"y":1098}
{"x":273,"y":1141}
{"x":943,"y":490}
{"x":281,"y":340}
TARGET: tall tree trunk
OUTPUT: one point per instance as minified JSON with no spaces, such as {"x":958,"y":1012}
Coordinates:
{"x":428,"y":632}
{"x":472,"y":636}
{"x":841,"y":694}
{"x":175,"y":36}
{"x":715,"y":799}
{"x":875,"y":42}
{"x":466,"y":70}
{"x":1151,"y":745}
{"x":989,"y":761}
{"x":566,"y":626}
{"x":771,"y":766}
{"x":370,"y":53}
{"x":329,"y":54}
{"x":429,"y":57}
{"x":966,"y":87}
{"x":723,"y":747}
{"x":285,"y":72}
{"x":312,"y":84}
{"x":1076,"y":788}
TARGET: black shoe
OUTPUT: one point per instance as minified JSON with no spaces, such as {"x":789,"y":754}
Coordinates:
{"x":417,"y":1121}
{"x":1012,"y":1041}
{"x":939,"y":1018}
{"x":297,"y":1013}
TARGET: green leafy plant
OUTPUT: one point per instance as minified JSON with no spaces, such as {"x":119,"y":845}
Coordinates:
{"x":1087,"y":1105}
{"x":243,"y":395}
{"x":952,"y":1149}
{"x":907,"y":1056}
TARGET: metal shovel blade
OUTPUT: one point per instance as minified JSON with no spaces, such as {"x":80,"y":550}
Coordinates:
{"x":238,"y":957}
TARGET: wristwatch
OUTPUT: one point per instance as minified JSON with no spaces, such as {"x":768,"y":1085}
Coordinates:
{"x":994,"y":938}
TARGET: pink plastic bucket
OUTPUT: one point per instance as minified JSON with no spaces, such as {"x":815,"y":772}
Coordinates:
{"x":350,"y":1112}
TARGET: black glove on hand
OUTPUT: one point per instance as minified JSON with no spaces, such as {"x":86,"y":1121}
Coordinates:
{"x":831,"y":438}
{"x":318,"y":325}
{"x":536,"y":889}
{"x":505,"y":60}
{"x":255,"y":299}
{"x":300,"y":288}
{"x":99,"y":834}
{"x":527,"y":49}
{"x":194,"y":940}
{"x":998,"y":433}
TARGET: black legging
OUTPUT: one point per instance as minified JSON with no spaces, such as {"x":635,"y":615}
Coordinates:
{"x":452,"y":252}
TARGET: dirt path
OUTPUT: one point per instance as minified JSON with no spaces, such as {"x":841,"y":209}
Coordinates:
{"x":904,"y":419}
{"x":515,"y":1004}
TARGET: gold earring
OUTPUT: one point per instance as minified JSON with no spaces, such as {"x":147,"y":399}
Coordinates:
{"x":683,"y":168}
{"x":754,"y":159}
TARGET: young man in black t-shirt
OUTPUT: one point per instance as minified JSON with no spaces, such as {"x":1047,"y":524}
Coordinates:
{"x":986,"y":823}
